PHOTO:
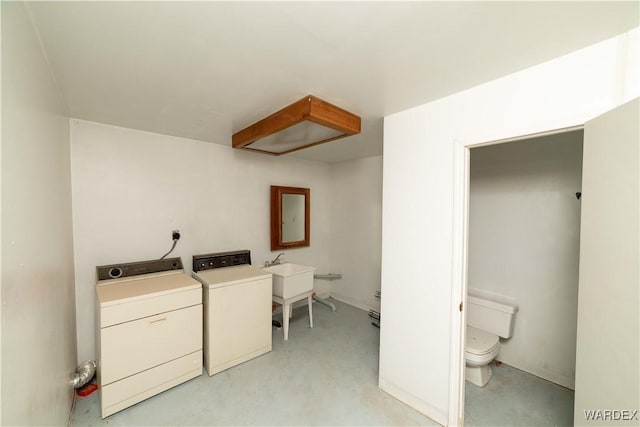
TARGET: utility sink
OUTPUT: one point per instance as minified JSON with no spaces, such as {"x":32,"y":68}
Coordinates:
{"x":291,"y":279}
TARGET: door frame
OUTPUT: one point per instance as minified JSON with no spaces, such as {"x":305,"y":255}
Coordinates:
{"x":459,"y":263}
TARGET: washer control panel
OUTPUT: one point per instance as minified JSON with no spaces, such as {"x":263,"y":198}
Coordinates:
{"x":220,"y":260}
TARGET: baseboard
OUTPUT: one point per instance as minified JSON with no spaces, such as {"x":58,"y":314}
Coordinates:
{"x":350,"y":301}
{"x":560,"y":380}
{"x":414,"y":402}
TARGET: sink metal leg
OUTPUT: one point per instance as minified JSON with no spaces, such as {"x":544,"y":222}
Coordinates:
{"x":287,"y":309}
{"x":286,"y":312}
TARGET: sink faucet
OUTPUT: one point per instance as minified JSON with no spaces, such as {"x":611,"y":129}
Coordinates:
{"x":274,"y":262}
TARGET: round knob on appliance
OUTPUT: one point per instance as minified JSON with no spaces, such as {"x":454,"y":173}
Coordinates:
{"x":115,"y":272}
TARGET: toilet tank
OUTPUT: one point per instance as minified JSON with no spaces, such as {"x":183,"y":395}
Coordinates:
{"x":495,"y":317}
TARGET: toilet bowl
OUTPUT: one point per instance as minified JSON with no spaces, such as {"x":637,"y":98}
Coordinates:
{"x":487,"y":321}
{"x":480,"y":349}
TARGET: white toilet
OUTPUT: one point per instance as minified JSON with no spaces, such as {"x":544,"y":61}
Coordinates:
{"x":487,"y":321}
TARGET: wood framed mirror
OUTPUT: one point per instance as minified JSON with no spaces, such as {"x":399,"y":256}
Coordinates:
{"x":290,"y":217}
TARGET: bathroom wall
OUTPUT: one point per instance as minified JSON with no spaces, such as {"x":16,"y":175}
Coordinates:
{"x":38,"y":320}
{"x":356,"y":230}
{"x":131,"y":188}
{"x":524,"y":237}
{"x":422,"y":212}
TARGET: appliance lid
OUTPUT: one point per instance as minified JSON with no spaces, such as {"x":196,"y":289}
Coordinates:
{"x":114,"y":292}
{"x":220,"y":277}
{"x":479,"y":341}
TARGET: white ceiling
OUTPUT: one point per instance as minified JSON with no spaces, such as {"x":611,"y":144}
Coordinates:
{"x":204,"y":70}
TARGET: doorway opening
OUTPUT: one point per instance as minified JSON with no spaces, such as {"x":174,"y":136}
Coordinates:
{"x":523,"y":251}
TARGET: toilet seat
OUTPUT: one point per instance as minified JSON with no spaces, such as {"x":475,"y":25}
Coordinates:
{"x":480,"y":349}
{"x":480,"y":342}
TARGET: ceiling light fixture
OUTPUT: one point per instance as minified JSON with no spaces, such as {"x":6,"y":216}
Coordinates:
{"x":305,"y":123}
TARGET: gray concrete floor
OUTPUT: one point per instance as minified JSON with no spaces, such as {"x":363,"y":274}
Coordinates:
{"x":327,"y":375}
{"x":516,"y":398}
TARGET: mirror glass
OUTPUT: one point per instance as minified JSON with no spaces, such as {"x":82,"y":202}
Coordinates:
{"x":292,"y":217}
{"x":289,"y":217}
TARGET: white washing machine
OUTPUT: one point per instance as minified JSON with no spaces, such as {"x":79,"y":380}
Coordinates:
{"x":237,"y":308}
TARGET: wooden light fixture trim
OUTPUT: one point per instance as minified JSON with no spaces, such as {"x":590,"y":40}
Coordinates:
{"x":308,"y":108}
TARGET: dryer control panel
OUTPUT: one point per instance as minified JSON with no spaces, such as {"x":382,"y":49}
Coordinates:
{"x":117,"y":271}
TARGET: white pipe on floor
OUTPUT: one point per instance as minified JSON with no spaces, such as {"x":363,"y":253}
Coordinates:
{"x":325,"y":302}
{"x":330,"y":276}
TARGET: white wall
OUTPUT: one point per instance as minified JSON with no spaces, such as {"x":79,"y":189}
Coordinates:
{"x":131,"y":188}
{"x":421,"y":297}
{"x":356,"y":228}
{"x":38,"y":319}
{"x":524,"y":237}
